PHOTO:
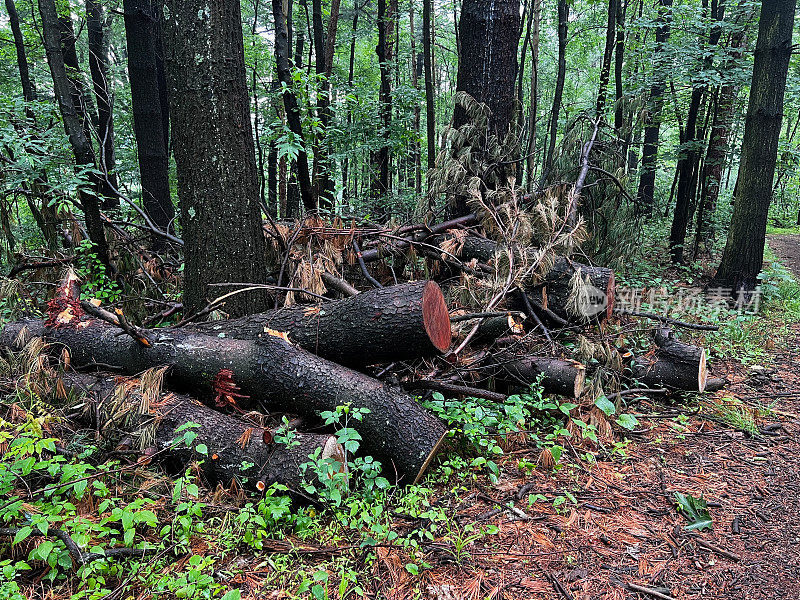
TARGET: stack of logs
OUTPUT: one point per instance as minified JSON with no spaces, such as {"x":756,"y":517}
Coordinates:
{"x":306,"y":359}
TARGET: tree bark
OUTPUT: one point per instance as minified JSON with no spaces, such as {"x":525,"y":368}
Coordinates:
{"x":271,"y":372}
{"x":73,"y":121}
{"x":562,"y":377}
{"x":381,"y":184}
{"x":744,"y":252}
{"x":98,"y":67}
{"x":236,"y":449}
{"x":214,"y":151}
{"x":649,"y":164}
{"x":619,"y":62}
{"x":152,"y":142}
{"x":395,"y":323}
{"x":28,"y":89}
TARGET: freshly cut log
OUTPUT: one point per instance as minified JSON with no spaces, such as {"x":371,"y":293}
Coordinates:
{"x":563,"y":377}
{"x":236,"y":449}
{"x":389,"y":324}
{"x":673,"y":364}
{"x":554,"y":293}
{"x":269,"y":371}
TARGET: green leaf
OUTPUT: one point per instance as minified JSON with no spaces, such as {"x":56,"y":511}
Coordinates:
{"x":605,"y":405}
{"x":21,"y":535}
{"x":695,"y":510}
{"x":202,"y":449}
{"x":627,"y":421}
{"x":44,"y":549}
{"x":412,"y":568}
{"x":232,"y":595}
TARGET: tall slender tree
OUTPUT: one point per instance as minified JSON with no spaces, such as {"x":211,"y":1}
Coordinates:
{"x":214,"y":151}
{"x":744,"y":252}
{"x":608,"y":53}
{"x":381,"y":158}
{"x":101,"y":84}
{"x":563,"y":24}
{"x":649,"y":165}
{"x":427,"y":60}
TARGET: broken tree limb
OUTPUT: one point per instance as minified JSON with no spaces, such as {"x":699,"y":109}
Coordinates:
{"x":563,"y":377}
{"x":395,"y":323}
{"x":270,"y":371}
{"x":673,"y":364}
{"x":235,"y":449}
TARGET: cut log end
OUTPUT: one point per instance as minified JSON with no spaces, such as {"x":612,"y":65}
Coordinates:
{"x":580,"y":379}
{"x":702,"y":372}
{"x":333,"y":449}
{"x":436,"y":317}
{"x":611,"y":291}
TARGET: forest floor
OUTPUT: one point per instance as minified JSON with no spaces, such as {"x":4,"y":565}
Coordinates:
{"x":787,"y":249}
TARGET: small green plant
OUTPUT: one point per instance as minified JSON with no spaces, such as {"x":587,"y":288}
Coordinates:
{"x":695,"y":510}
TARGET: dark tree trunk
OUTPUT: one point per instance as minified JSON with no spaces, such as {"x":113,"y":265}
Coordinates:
{"x":350,"y":74}
{"x":416,"y":146}
{"x":236,"y":449}
{"x":649,"y":164}
{"x":688,"y":164}
{"x":563,"y":23}
{"x":214,"y":151}
{"x":381,"y":184}
{"x":394,"y":323}
{"x":619,"y":63}
{"x":608,"y":53}
{"x":487,"y":66}
{"x":74,"y":121}
{"x":28,"y":89}
{"x":556,"y":376}
{"x":290,"y":100}
{"x":674,"y":364}
{"x":272,"y":373}
{"x":141,"y":33}
{"x":718,"y":146}
{"x":427,"y":59}
{"x":324,"y":49}
{"x":533,"y":115}
{"x":98,"y":66}
{"x":744,"y":252}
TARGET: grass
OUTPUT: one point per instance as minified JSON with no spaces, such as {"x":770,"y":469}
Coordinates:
{"x":771,"y":230}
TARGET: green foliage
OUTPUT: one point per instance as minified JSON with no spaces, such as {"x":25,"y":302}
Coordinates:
{"x":695,"y":510}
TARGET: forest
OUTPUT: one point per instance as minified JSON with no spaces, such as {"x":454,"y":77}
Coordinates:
{"x":399,"y":299}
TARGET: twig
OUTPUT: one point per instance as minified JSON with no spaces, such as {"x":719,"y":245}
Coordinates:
{"x":286,"y":257}
{"x":453,"y":388}
{"x":532,"y":314}
{"x":715,"y":549}
{"x":649,"y":591}
{"x":39,"y":265}
{"x":360,"y":258}
{"x":668,"y":320}
{"x":118,"y":320}
{"x":479,"y":315}
{"x":78,"y":556}
{"x":340,"y":285}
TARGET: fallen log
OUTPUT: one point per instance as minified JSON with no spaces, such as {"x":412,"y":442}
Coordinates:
{"x":235,"y":449}
{"x":563,"y":377}
{"x":555,"y":292}
{"x":269,"y":371}
{"x":673,"y":364}
{"x":390,"y":324}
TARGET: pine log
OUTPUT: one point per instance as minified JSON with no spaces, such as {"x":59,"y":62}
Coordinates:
{"x":390,"y":324}
{"x":563,"y":377}
{"x":673,"y":364}
{"x":232,"y":443}
{"x":554,"y":292}
{"x":269,"y":371}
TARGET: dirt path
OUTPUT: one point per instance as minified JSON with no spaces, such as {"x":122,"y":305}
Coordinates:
{"x":787,"y":248}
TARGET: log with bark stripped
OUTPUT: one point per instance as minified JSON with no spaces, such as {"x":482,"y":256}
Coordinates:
{"x":673,"y":364}
{"x":235,"y":449}
{"x":390,"y":324}
{"x":269,"y":371}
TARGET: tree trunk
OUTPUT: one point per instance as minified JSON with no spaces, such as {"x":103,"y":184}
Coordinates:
{"x":563,"y":377}
{"x":619,"y":63}
{"x":563,"y":23}
{"x":608,"y":52}
{"x":271,"y":372}
{"x":416,"y":146}
{"x":744,"y":252}
{"x":649,"y":164}
{"x":235,"y":449}
{"x":98,"y":66}
{"x":534,"y":95}
{"x":381,"y":184}
{"x":427,"y":59}
{"x":688,"y":164}
{"x":73,"y":121}
{"x":214,"y":151}
{"x":28,"y":89}
{"x":400,"y":322}
{"x":152,"y":142}
{"x":279,"y":11}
